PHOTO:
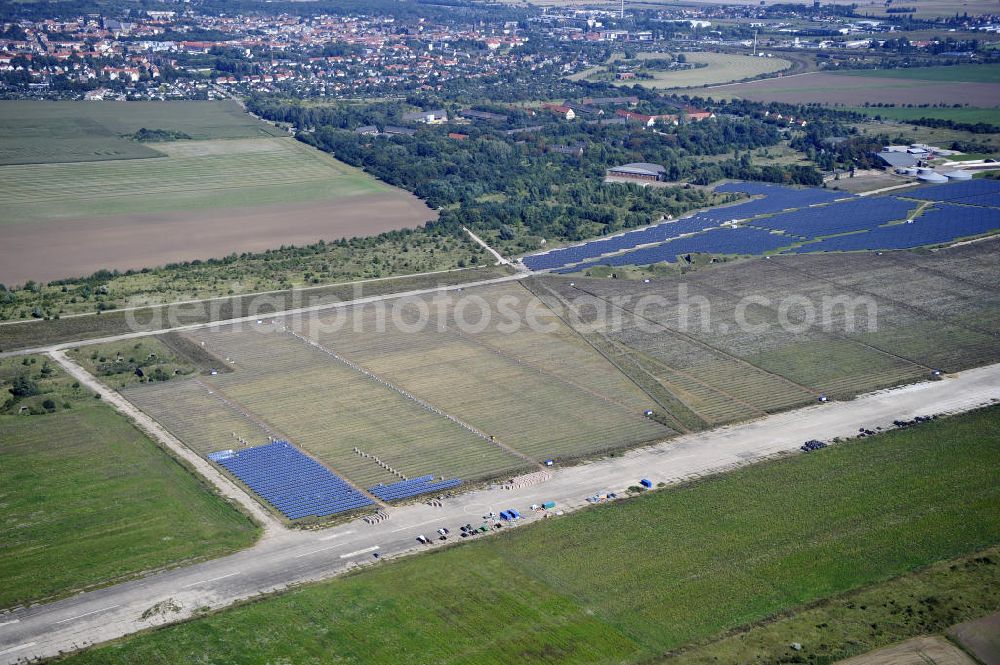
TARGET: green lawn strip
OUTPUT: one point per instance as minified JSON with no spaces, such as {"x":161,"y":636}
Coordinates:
{"x":87,"y":498}
{"x":632,"y":580}
{"x":989,"y":73}
{"x":924,"y":602}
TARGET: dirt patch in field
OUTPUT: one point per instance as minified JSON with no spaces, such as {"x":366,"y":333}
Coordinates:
{"x":918,"y":651}
{"x":981,"y":638}
{"x":76,"y":247}
{"x":825,"y":88}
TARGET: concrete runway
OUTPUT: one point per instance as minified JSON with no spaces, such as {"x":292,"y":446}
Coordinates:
{"x":288,"y":557}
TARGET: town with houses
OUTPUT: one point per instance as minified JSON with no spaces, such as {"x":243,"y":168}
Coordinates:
{"x":182,"y":54}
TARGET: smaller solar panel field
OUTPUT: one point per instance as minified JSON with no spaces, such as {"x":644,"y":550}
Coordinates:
{"x":956,"y":191}
{"x":297,"y":485}
{"x":412,"y":487}
{"x":942,"y":223}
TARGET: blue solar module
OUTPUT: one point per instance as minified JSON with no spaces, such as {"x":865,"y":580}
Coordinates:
{"x":842,"y":217}
{"x":659,"y":233}
{"x":787,"y":197}
{"x":741,"y":240}
{"x":986,"y":200}
{"x":412,"y":487}
{"x":942,"y":223}
{"x":291,"y":481}
{"x":953,"y":191}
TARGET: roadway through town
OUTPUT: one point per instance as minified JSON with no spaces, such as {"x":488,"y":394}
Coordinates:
{"x":295,"y":557}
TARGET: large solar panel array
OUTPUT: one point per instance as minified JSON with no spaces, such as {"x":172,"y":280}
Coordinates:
{"x":853,"y":215}
{"x":942,"y":223}
{"x":796,"y":213}
{"x":412,"y":487}
{"x":741,"y":240}
{"x":292,"y":482}
{"x":956,"y":191}
{"x":776,"y":199}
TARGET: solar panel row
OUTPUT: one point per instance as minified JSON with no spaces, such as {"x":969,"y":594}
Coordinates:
{"x":955,"y":191}
{"x":740,"y":240}
{"x":942,"y":223}
{"x":291,"y":481}
{"x":853,"y":215}
{"x":659,"y":233}
{"x":412,"y":487}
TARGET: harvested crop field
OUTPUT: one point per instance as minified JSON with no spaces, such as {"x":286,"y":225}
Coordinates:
{"x":456,"y":396}
{"x":81,"y":195}
{"x":82,"y":246}
{"x":767,"y":335}
{"x":829,"y":88}
{"x":205,"y":199}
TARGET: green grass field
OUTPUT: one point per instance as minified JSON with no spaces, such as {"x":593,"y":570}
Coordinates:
{"x":37,"y":132}
{"x":963,"y":114}
{"x":194,"y":176}
{"x":721,"y":68}
{"x":631,"y":580}
{"x":927,"y":601}
{"x":988,"y":73}
{"x":89,"y":499}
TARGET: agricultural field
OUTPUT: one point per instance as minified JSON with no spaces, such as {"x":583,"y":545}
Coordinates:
{"x":730,"y":551}
{"x":192,"y":199}
{"x":853,"y":91}
{"x":719,"y":68}
{"x":88,"y":499}
{"x":468,"y":401}
{"x":911,"y":313}
{"x":963,"y":114}
{"x":45,"y":132}
{"x":988,"y":73}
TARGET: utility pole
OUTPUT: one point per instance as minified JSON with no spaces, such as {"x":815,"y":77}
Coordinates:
{"x":621,"y":12}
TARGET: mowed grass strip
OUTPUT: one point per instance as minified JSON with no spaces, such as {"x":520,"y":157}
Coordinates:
{"x":631,"y":580}
{"x":86,"y":498}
